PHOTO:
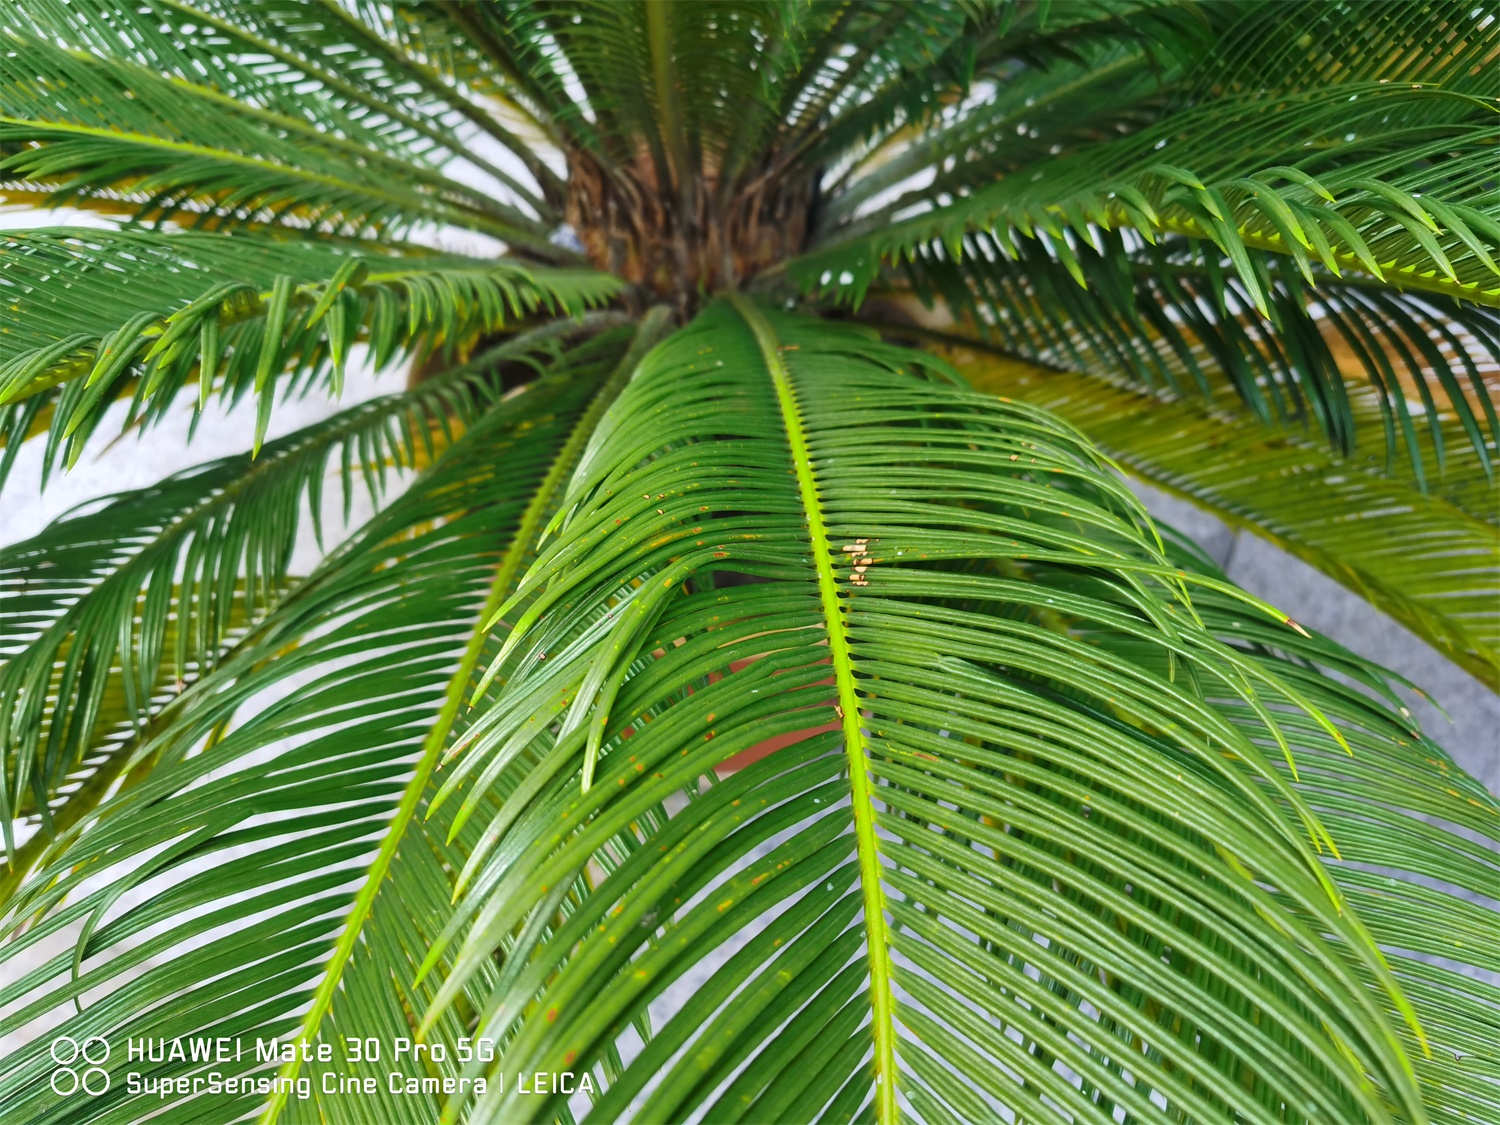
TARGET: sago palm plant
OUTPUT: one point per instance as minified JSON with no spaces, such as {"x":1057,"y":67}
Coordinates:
{"x":751,"y":611}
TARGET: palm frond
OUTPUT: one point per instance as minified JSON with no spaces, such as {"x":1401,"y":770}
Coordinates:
{"x":506,"y":53}
{"x":1110,"y":86}
{"x":352,"y":985}
{"x":80,"y":123}
{"x":291,"y":799}
{"x":909,"y":62}
{"x":913,"y":540}
{"x":399,"y":35}
{"x":93,"y":315}
{"x":1269,"y":143}
{"x":1431,"y":562}
{"x":369,"y":91}
{"x":761,"y":657}
{"x":1455,"y":48}
{"x":241,"y":51}
{"x":1173,"y":316}
{"x":110,"y":612}
{"x":1418,"y":842}
{"x":957,"y":115}
{"x":755,"y":113}
{"x":1390,"y":179}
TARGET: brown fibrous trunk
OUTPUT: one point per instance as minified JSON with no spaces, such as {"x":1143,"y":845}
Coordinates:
{"x":681,"y":250}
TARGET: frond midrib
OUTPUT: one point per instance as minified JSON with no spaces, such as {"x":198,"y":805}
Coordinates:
{"x":861,"y":781}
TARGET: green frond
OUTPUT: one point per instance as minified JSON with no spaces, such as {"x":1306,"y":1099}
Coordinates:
{"x":1034,"y":113}
{"x":90,"y":316}
{"x":350,"y":984}
{"x":397,"y":35}
{"x":1422,"y":558}
{"x":908,"y":62}
{"x":1172,"y":316}
{"x":1268,"y":45}
{"x":1009,"y":65}
{"x":363,"y":644}
{"x":110,"y":612}
{"x":743,"y":651}
{"x":774,"y":86}
{"x":505,"y":54}
{"x":1418,"y":843}
{"x":241,"y":52}
{"x":951,"y":561}
{"x":367,"y":89}
{"x":1385,"y":179}
{"x":192,"y":153}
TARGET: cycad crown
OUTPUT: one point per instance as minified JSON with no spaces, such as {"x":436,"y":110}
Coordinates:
{"x":743,"y":431}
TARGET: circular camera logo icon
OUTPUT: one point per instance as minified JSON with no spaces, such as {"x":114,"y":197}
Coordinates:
{"x":79,"y":1065}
